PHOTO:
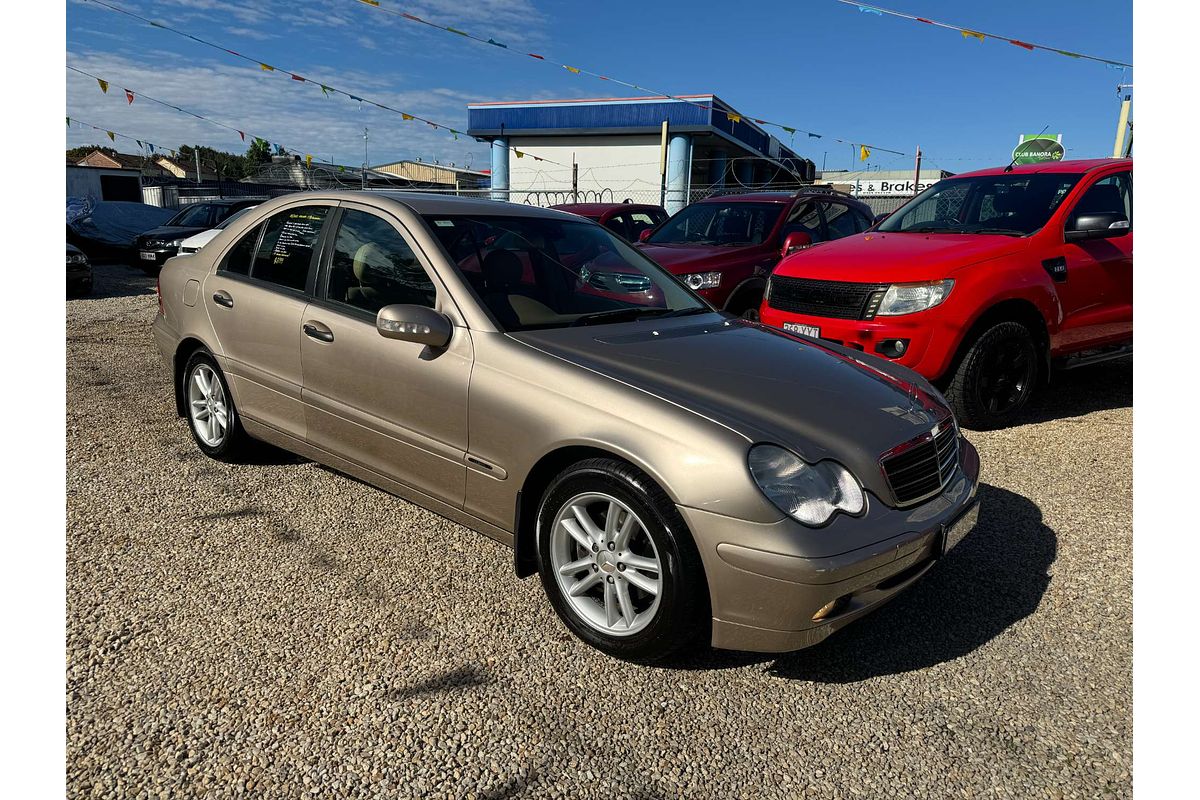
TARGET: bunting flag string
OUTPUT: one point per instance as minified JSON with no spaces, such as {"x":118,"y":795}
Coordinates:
{"x":969,"y":33}
{"x":112,"y":135}
{"x":733,"y":117}
{"x":326,"y":88}
{"x":173,"y":107}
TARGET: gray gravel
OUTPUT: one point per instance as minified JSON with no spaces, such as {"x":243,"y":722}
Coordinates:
{"x":280,"y":630}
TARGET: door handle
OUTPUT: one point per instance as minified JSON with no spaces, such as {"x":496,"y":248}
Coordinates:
{"x":223,"y":298}
{"x":316,"y":330}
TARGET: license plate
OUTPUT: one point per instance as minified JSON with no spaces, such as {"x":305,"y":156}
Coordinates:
{"x":149,"y":256}
{"x":959,"y":529}
{"x":804,"y":330}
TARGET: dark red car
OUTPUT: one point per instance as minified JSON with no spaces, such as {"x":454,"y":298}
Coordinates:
{"x":724,"y":247}
{"x":626,"y":220}
{"x":980,"y":283}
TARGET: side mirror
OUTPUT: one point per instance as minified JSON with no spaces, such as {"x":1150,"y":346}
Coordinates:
{"x":1102,"y":225}
{"x":645,"y":234}
{"x":796,"y":240}
{"x":414,"y":324}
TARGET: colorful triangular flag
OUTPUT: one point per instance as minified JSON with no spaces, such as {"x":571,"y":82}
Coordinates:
{"x":973,"y":35}
{"x":864,"y":152}
{"x":407,"y":117}
{"x":266,"y":67}
{"x":111,"y":136}
{"x":103,"y":85}
{"x":325,"y":90}
{"x":242,"y":135}
{"x":129,"y":96}
{"x":308,"y":161}
{"x":733,"y":117}
{"x":519,"y":153}
{"x":68,"y":122}
{"x":571,"y":69}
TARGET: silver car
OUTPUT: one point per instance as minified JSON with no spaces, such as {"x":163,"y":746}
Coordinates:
{"x":674,"y":475}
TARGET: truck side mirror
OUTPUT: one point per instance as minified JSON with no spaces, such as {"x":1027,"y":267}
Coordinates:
{"x":1100,"y":225}
{"x":796,"y":240}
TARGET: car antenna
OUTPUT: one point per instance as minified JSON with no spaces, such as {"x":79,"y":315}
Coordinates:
{"x":1010,"y":164}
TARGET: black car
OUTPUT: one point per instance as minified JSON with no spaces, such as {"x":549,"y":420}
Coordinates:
{"x":79,"y":271}
{"x":155,"y":246}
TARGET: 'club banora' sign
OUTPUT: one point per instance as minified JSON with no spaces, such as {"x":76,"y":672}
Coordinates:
{"x":1036,"y":149}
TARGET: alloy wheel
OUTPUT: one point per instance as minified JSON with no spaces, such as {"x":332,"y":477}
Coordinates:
{"x":606,"y":564}
{"x":207,"y":406}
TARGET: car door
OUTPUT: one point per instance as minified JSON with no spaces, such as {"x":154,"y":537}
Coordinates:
{"x":397,"y":408}
{"x":1096,"y":290}
{"x":255,"y":300}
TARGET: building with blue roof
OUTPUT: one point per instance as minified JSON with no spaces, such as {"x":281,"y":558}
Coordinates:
{"x":614,"y":148}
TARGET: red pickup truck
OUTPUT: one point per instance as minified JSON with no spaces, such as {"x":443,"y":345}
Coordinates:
{"x":980,"y":283}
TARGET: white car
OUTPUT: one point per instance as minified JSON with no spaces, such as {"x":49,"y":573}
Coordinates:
{"x":193,"y":244}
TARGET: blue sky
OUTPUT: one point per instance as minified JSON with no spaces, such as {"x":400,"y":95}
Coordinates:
{"x":814,"y":64}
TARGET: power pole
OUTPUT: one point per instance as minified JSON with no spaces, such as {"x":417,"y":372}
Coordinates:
{"x":662,"y":166}
{"x":1119,"y":149}
{"x":574,"y":179}
{"x":917,"y":174}
{"x":196,"y":152}
{"x":366,"y":160}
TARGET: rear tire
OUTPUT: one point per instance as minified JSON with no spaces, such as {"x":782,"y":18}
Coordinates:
{"x":995,"y":378}
{"x":625,"y":577}
{"x":215,"y":424}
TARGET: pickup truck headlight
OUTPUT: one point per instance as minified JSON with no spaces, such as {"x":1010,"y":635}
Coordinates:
{"x":702,"y":280}
{"x":808,"y":493}
{"x":909,"y":298}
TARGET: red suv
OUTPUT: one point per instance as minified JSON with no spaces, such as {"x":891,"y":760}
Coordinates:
{"x":724,"y":247}
{"x":626,"y":220}
{"x":979,"y":283}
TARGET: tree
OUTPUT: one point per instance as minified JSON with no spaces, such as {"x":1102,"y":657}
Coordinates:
{"x":258,"y":153}
{"x":76,"y":153}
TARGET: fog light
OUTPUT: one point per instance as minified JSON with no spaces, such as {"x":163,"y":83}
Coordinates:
{"x":892,"y":348}
{"x":831,"y":608}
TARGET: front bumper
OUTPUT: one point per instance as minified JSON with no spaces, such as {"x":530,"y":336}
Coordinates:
{"x":765,"y":594}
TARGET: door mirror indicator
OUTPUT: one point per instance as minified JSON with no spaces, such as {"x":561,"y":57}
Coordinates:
{"x":1102,"y":225}
{"x":796,"y":240}
{"x":410,"y":323}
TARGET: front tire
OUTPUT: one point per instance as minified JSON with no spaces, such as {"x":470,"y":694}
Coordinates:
{"x":212,"y":417}
{"x":995,"y":378}
{"x":618,"y":563}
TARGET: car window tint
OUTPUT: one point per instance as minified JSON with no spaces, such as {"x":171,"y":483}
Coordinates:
{"x":616,"y":224}
{"x":839,"y":221}
{"x":862,"y":221}
{"x":640,"y":221}
{"x":241,"y":255}
{"x":1113,"y":194}
{"x":196,"y":216}
{"x":373,"y":266}
{"x":805,"y":217}
{"x":286,"y":251}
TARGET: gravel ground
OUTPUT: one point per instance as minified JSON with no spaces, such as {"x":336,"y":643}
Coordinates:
{"x":279,"y":630}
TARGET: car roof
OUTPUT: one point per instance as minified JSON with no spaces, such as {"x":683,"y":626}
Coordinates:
{"x":431,"y":203}
{"x":750,"y":197}
{"x":1078,"y":165}
{"x":597,"y":209}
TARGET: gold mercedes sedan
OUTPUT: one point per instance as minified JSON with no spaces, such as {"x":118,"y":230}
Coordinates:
{"x":675,"y":475}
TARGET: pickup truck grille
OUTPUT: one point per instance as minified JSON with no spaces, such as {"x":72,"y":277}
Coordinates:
{"x":824,"y":298}
{"x":921,"y":468}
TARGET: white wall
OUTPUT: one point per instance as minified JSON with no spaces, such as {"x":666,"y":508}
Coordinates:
{"x":626,"y":165}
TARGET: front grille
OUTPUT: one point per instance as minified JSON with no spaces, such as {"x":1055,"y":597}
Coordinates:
{"x":823,"y":298}
{"x":921,"y":469}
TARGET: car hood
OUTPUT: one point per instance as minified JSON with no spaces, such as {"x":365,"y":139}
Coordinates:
{"x":897,"y":257}
{"x":170,"y":232}
{"x":822,"y":401}
{"x":685,"y":258}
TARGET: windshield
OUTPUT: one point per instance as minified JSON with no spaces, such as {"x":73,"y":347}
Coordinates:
{"x":1012,"y":205}
{"x":191,"y":217}
{"x":720,"y":224}
{"x":533,"y":272}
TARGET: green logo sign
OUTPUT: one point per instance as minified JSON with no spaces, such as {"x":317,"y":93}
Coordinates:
{"x":1034,"y":149}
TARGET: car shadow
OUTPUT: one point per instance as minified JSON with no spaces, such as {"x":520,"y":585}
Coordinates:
{"x":1073,"y":393}
{"x":118,"y":280}
{"x":993,"y":579}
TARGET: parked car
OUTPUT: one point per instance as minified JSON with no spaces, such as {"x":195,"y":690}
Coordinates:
{"x":79,"y":271}
{"x":626,"y":220}
{"x":725,"y":246}
{"x":673,"y":474}
{"x":192,"y":244}
{"x":156,"y":246}
{"x":106,"y":230}
{"x":980,"y":283}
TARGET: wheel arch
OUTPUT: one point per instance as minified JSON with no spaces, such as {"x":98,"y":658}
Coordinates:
{"x":756,"y":283}
{"x":539,"y":477}
{"x":1012,"y":309}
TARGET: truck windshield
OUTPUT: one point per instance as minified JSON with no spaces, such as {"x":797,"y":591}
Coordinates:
{"x":537,"y":272}
{"x":720,"y":224}
{"x":1011,"y":205}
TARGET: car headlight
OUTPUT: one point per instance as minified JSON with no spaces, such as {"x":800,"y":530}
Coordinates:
{"x":808,"y":493}
{"x":909,"y":298}
{"x":702,"y":280}
{"x":76,"y":258}
{"x":176,"y":243}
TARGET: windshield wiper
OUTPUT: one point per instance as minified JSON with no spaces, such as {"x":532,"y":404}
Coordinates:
{"x":999,"y":231}
{"x":684,"y":312}
{"x":620,"y":315}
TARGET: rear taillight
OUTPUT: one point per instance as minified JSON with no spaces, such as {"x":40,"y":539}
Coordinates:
{"x":158,"y":291}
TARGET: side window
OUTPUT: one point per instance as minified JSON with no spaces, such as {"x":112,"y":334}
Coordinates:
{"x":1113,"y":194}
{"x":286,"y":251}
{"x":839,"y":221}
{"x":616,"y":224}
{"x":374,"y":267}
{"x":638,"y":222}
{"x":805,"y":217}
{"x":241,"y":255}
